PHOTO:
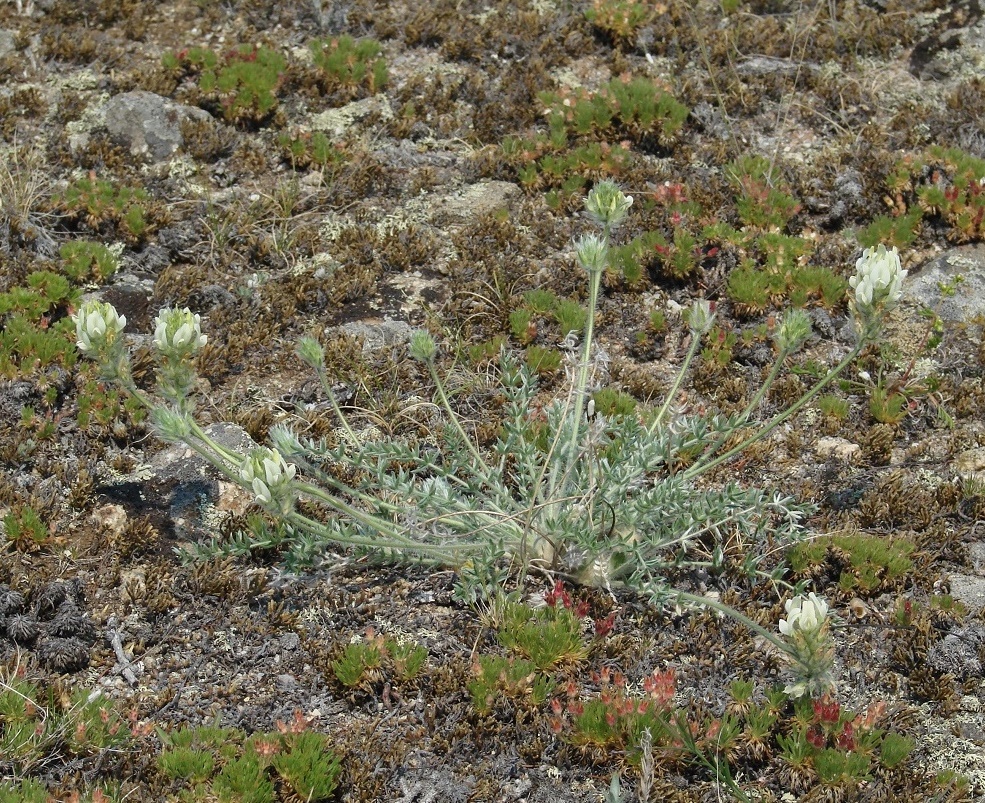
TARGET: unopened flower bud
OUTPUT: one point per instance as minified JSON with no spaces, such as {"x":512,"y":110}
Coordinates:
{"x":593,"y":252}
{"x":311,"y":351}
{"x":700,"y":317}
{"x":171,"y":425}
{"x":607,"y":204}
{"x":422,"y":346}
{"x":285,"y":440}
{"x":794,"y":331}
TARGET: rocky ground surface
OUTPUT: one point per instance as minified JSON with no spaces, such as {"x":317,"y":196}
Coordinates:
{"x":357,"y":207}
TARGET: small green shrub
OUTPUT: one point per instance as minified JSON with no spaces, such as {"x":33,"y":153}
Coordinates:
{"x":242,"y":84}
{"x":223,"y":764}
{"x":310,"y":150}
{"x":763,"y":202}
{"x":24,"y":529}
{"x":104,"y":207}
{"x":871,"y":563}
{"x":244,"y":780}
{"x":27,"y":790}
{"x":516,"y":678}
{"x":619,"y":19}
{"x":609,"y":401}
{"x":308,"y":766}
{"x":541,"y":360}
{"x":897,"y":232}
{"x":570,"y":316}
{"x":522,"y":325}
{"x":84,"y":261}
{"x":353,"y":65}
{"x":547,"y":636}
{"x":358,"y":658}
{"x":834,"y":407}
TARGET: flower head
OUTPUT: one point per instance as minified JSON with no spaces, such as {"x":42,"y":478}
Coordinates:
{"x":98,"y":327}
{"x":804,"y":614}
{"x":878,"y":281}
{"x":422,"y":346}
{"x":178,"y":333}
{"x":607,"y":204}
{"x":807,"y":640}
{"x":265,"y":471}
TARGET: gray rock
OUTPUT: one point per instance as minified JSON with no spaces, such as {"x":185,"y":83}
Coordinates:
{"x":148,"y":123}
{"x":378,"y":334}
{"x":181,"y":493}
{"x":476,"y":200}
{"x":968,"y":590}
{"x":961,"y":273}
{"x":8,"y":44}
{"x":957,"y":653}
{"x":337,"y":121}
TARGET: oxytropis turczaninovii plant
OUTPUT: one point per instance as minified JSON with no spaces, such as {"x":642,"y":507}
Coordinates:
{"x":600,"y":499}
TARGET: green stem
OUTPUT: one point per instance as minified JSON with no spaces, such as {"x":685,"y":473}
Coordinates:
{"x":480,"y":464}
{"x":741,"y":618}
{"x":594,"y":283}
{"x":688,"y":359}
{"x":773,"y":423}
{"x":305,"y":524}
{"x":323,"y":379}
{"x":753,"y":404}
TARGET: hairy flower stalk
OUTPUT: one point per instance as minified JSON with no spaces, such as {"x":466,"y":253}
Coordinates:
{"x":805,"y":638}
{"x":700,"y":318}
{"x":806,"y":632}
{"x":878,"y":284}
{"x":608,"y":206}
{"x":177,"y":338}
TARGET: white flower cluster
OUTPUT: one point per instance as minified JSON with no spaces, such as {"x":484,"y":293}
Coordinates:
{"x":97,"y":325}
{"x":265,"y":471}
{"x":878,"y":280}
{"x":178,"y":333}
{"x":804,"y":614}
{"x":809,"y":646}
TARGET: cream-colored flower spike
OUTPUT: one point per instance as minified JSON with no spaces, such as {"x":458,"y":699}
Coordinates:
{"x":178,"y":333}
{"x":97,"y":324}
{"x":265,"y":471}
{"x":878,"y":280}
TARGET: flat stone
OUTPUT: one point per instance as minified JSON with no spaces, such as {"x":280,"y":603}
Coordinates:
{"x":840,"y":448}
{"x":476,"y":200}
{"x":337,"y":121}
{"x":953,"y":284}
{"x":8,"y":43}
{"x":378,"y":334}
{"x":968,"y":590}
{"x":149,"y":124}
{"x":970,"y":464}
